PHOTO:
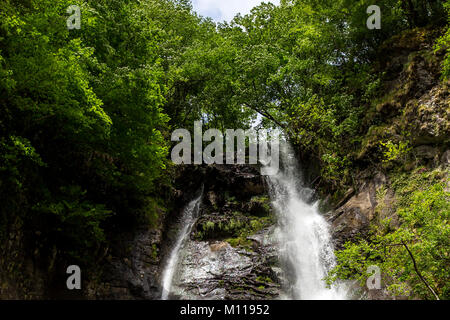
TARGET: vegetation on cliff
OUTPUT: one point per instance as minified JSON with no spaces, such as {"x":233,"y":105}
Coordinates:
{"x":86,"y":115}
{"x":411,"y":245}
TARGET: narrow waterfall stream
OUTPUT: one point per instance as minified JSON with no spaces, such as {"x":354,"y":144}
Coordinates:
{"x":306,"y":250}
{"x":190,"y":214}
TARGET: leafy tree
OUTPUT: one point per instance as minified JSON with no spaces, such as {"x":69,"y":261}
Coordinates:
{"x":81,"y":123}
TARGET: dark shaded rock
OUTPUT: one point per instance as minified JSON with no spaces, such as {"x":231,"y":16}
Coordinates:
{"x":258,"y":206}
{"x":445,"y":159}
{"x":17,"y":267}
{"x":132,"y":272}
{"x":350,"y":192}
{"x":426,"y":152}
{"x":212,"y":199}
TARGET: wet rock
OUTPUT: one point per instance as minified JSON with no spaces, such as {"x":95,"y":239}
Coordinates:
{"x":219,"y":246}
{"x":235,"y":210}
{"x":218,"y":271}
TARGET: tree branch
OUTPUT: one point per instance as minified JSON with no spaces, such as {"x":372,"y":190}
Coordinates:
{"x":265,"y":114}
{"x":418,"y":272}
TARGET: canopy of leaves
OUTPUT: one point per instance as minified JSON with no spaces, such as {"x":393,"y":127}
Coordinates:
{"x":81,"y":120}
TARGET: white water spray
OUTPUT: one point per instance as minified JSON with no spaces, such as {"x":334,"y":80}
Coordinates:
{"x":305,"y":244}
{"x":190,"y":214}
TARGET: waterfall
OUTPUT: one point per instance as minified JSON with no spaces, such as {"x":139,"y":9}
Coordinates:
{"x":306,"y":250}
{"x":188,"y":218}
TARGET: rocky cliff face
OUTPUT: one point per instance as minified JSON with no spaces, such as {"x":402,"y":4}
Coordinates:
{"x":231,"y":253}
{"x":20,"y":274}
{"x":131,"y":270}
{"x":416,"y":109}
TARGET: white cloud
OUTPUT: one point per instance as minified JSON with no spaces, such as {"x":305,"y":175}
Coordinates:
{"x":221,"y":10}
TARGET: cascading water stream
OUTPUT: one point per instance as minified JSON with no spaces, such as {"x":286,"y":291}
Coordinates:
{"x":305,"y":244}
{"x":188,"y":218}
{"x":306,"y":250}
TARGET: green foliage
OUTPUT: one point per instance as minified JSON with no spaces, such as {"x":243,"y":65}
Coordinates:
{"x":424,"y":211}
{"x":264,"y":279}
{"x":86,"y":115}
{"x":81,"y":121}
{"x":443,"y":43}
{"x":313,"y":79}
{"x":395,"y":151}
{"x":285,"y":64}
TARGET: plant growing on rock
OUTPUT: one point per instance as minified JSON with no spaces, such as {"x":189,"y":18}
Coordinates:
{"x":395,"y":151}
{"x":414,"y":257}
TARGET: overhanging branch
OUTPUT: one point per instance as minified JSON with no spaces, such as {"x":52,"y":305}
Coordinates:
{"x":265,"y":114}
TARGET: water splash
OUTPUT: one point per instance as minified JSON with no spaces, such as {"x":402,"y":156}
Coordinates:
{"x":305,"y":244}
{"x":188,"y":218}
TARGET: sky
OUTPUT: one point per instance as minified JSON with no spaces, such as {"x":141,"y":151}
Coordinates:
{"x":220,"y":10}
